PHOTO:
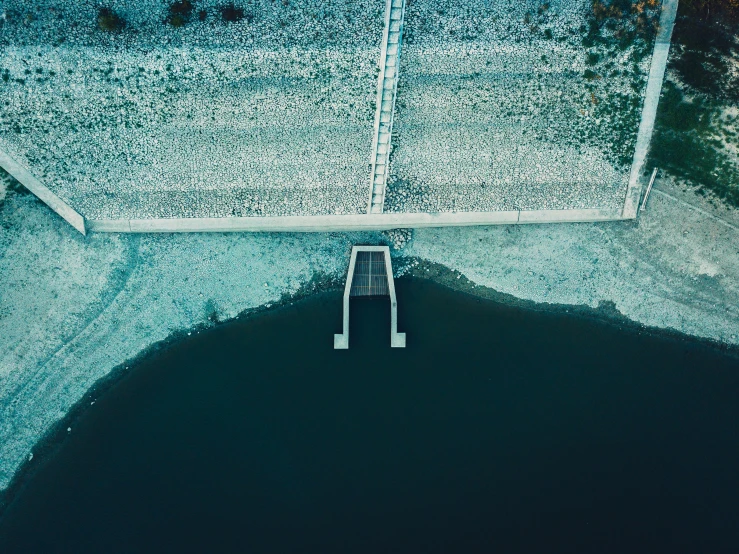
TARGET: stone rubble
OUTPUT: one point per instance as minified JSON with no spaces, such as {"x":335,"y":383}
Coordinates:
{"x":398,"y":238}
{"x":500,"y":106}
{"x":504,"y":106}
{"x":271,"y":115}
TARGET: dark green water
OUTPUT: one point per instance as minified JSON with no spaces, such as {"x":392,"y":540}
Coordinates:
{"x":496,"y":430}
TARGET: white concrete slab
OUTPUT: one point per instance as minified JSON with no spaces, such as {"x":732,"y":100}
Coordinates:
{"x":567,"y":216}
{"x":360,"y":222}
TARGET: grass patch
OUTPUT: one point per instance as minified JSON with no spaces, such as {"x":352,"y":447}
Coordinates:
{"x":620,"y":24}
{"x":703,"y":51}
{"x":711,"y":11}
{"x":695,"y":134}
{"x":688,"y":143}
{"x":110,"y":21}
{"x":617,"y":36}
{"x":179,"y":13}
{"x":9,"y":184}
{"x":232,"y":14}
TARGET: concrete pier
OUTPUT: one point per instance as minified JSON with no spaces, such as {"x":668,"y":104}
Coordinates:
{"x":370,"y":274}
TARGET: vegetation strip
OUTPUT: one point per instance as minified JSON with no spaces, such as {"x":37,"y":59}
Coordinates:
{"x":697,"y":127}
{"x":651,"y":101}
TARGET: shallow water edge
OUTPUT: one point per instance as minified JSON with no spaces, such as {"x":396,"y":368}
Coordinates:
{"x":331,"y":287}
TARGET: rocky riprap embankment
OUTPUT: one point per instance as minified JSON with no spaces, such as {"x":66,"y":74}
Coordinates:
{"x":526,"y":105}
{"x":398,"y":238}
{"x":269,"y":115}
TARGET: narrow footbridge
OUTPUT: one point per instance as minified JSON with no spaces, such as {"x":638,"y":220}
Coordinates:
{"x":370,"y":274}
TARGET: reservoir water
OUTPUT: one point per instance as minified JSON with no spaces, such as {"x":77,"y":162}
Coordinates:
{"x":497,"y":429}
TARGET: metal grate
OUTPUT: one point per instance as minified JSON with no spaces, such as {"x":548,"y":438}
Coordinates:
{"x":370,"y":275}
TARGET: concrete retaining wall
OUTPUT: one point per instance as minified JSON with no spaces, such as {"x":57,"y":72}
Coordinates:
{"x":24,"y":177}
{"x":359,"y":222}
{"x":651,"y":100}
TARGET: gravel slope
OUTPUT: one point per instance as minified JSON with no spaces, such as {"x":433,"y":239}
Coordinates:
{"x":270,"y":115}
{"x":505,"y":106}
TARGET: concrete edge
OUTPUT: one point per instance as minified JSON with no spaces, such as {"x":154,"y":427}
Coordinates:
{"x":649,"y":110}
{"x":355,"y":222}
{"x":341,"y":341}
{"x":397,"y":340}
{"x":26,"y":178}
{"x":569,"y":216}
{"x":109,"y":225}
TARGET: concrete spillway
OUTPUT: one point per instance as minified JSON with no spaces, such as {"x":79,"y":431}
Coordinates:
{"x":370,"y":274}
{"x":387,"y":89}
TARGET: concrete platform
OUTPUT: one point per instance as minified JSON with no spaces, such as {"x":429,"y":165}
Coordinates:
{"x":397,"y":340}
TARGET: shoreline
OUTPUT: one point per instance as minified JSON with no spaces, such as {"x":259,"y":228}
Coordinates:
{"x":673,"y":272}
{"x":606,"y":313}
{"x":675,"y":268}
{"x":53,"y":439}
{"x":326,"y":285}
